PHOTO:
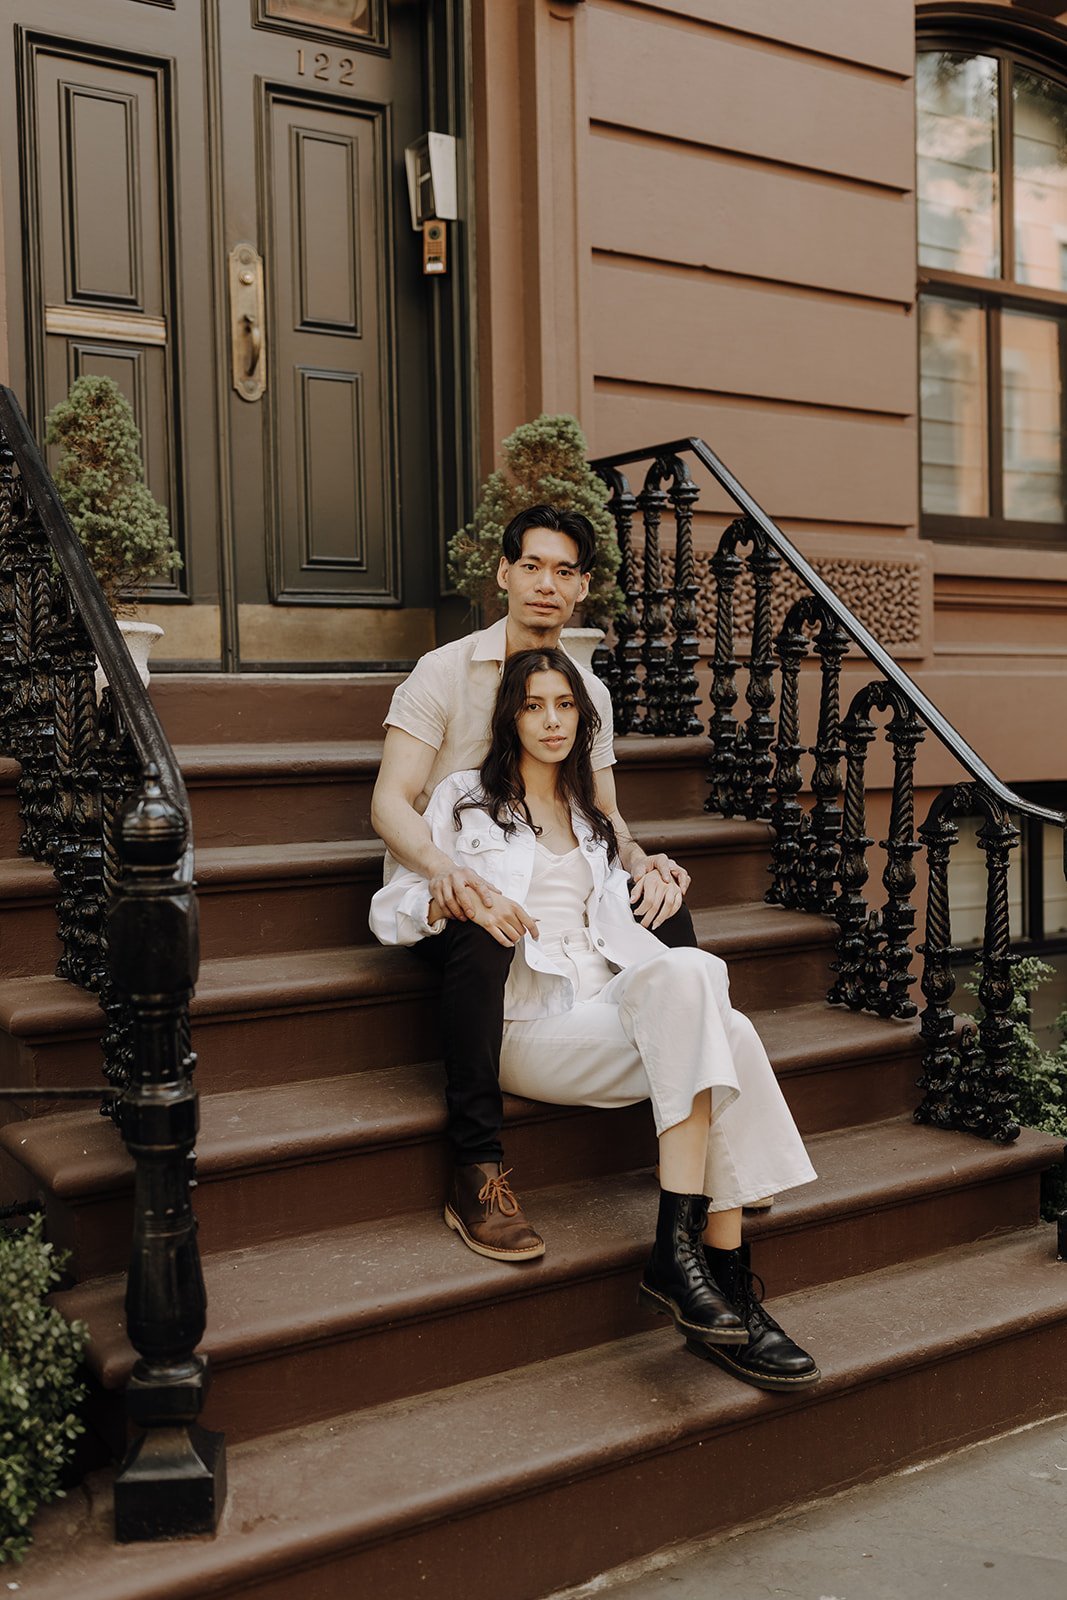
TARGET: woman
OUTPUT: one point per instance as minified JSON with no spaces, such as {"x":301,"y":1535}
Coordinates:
{"x":599,"y":1013}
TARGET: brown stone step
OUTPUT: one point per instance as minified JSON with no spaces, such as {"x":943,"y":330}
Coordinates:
{"x":380,"y":1134}
{"x":262,"y":792}
{"x":29,"y":937}
{"x":254,"y":707}
{"x":310,"y":894}
{"x":10,"y":827}
{"x":560,"y":1469}
{"x":399,"y":1306}
{"x":266,"y":1018}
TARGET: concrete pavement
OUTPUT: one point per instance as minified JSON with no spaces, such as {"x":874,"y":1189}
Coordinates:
{"x":988,"y":1523}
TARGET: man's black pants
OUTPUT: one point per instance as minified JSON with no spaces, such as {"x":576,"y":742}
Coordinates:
{"x":474,"y":970}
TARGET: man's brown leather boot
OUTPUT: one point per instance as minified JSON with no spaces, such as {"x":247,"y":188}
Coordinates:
{"x":483,"y":1211}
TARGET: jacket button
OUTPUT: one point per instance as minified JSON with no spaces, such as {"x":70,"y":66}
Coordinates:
{"x":600,"y":942}
{"x":475,"y":843}
{"x":590,"y":845}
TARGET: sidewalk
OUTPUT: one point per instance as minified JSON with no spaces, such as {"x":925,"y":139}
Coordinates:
{"x":989,"y":1523}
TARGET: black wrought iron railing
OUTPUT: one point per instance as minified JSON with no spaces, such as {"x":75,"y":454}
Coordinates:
{"x":102,"y":802}
{"x":756,"y":767}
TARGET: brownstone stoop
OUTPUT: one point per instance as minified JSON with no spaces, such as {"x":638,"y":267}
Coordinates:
{"x":403,"y":1417}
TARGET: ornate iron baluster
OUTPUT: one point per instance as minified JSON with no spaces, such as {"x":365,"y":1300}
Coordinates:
{"x":831,"y":646}
{"x":30,"y":729}
{"x":723,"y":729}
{"x":763,"y":563}
{"x":8,"y":673}
{"x":851,"y":908}
{"x":655,"y":656}
{"x":174,"y":1478}
{"x":622,"y":679}
{"x":966,"y":1076}
{"x":788,"y":816}
{"x":874,"y":952}
{"x":905,"y":733}
{"x":938,"y":1023}
{"x":683,"y":495}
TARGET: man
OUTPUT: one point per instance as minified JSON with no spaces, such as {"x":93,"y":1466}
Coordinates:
{"x":438,"y":723}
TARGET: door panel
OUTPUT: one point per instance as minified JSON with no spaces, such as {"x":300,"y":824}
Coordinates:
{"x":100,"y":136}
{"x":332,"y":515}
{"x":100,"y":276}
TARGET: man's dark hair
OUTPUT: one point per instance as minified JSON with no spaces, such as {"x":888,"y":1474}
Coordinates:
{"x":572,"y":523}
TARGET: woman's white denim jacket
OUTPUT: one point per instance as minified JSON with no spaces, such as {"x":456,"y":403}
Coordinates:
{"x":540,"y":984}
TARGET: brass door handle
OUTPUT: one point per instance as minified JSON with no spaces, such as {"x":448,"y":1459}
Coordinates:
{"x":255,"y":334}
{"x":248,"y":356}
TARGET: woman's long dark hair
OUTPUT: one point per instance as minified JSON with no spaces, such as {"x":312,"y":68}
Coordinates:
{"x":503,"y":794}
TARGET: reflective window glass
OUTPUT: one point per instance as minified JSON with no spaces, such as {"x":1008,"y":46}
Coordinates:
{"x":1040,"y":170}
{"x":347,"y":16}
{"x":958,"y":190}
{"x":1031,"y":361}
{"x":952,"y":403}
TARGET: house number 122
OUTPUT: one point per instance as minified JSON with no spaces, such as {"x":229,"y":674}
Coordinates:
{"x":325,"y":69}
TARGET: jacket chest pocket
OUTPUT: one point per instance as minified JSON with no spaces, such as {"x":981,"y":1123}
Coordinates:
{"x":483,"y":848}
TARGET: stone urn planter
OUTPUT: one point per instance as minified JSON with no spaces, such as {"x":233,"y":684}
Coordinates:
{"x":140,"y":640}
{"x":581,"y":643}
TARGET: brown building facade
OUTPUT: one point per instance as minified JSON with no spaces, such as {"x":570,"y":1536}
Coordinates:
{"x":675,"y":217}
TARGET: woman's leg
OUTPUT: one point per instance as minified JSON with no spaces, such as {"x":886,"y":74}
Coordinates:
{"x":585,"y":1056}
{"x":723,"y":1230}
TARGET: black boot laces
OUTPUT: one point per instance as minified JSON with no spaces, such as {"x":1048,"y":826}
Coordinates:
{"x":751,"y":1291}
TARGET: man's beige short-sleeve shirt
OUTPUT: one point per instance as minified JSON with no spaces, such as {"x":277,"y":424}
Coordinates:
{"x":447,"y":702}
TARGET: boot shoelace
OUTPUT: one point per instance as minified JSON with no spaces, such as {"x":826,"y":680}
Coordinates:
{"x":497,"y":1192}
{"x":750,"y":1298}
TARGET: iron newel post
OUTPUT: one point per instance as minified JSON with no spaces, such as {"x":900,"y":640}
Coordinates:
{"x":173,"y":1480}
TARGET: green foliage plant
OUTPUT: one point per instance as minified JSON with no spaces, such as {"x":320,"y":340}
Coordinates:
{"x":545,"y":463}
{"x":1040,"y":1074}
{"x":100,"y":479}
{"x":40,"y":1353}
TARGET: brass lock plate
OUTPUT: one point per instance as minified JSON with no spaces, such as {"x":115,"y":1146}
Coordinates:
{"x":248,"y":351}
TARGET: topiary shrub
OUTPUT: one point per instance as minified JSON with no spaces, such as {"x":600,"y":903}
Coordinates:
{"x":100,"y":479}
{"x":39,"y":1389}
{"x":544,"y":464}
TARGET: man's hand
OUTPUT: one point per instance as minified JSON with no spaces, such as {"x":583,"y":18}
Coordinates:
{"x":458,"y":893}
{"x":659,"y":889}
{"x":505,"y":920}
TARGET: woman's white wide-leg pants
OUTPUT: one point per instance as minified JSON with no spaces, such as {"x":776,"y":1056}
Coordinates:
{"x":664,"y":1031}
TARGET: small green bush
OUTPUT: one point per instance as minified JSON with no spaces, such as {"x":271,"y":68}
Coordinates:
{"x":544,"y":464}
{"x":100,"y":480}
{"x":1040,"y":1075}
{"x":39,"y":1390}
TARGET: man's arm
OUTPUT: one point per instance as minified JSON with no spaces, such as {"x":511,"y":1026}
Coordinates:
{"x":452,"y":891}
{"x":406,"y":765}
{"x":659,"y":883}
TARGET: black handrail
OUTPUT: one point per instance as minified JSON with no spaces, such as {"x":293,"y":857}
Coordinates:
{"x":939,"y":724}
{"x":819,"y":856}
{"x":134,"y":706}
{"x":103,"y":802}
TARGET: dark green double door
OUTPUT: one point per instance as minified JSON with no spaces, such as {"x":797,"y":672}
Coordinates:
{"x":207,"y":203}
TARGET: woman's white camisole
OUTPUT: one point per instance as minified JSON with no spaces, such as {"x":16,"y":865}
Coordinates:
{"x":557,"y":900}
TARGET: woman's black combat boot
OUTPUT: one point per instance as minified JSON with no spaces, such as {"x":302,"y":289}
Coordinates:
{"x":677,"y":1281}
{"x":771,"y":1359}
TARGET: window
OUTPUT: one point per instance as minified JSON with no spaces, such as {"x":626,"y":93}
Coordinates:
{"x":992,"y":226}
